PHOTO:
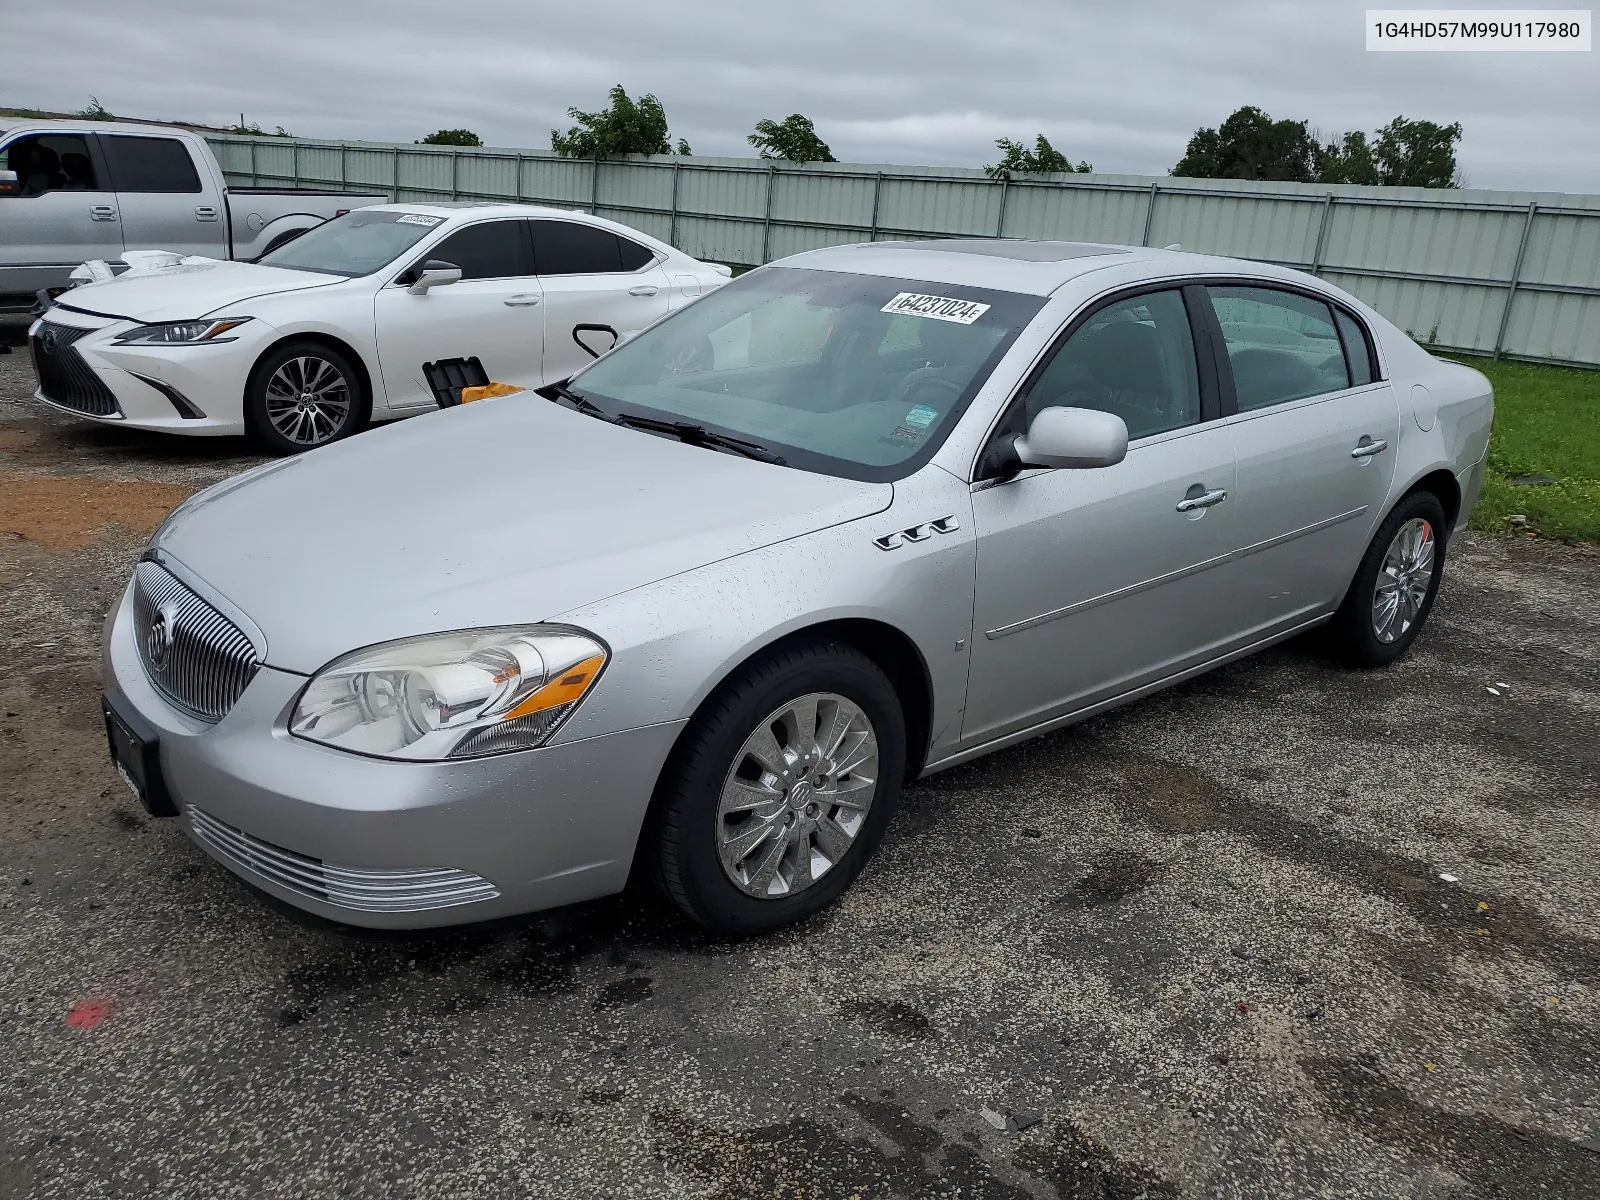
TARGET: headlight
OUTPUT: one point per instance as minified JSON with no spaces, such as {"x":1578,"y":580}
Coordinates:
{"x":175,"y":333}
{"x":451,"y":695}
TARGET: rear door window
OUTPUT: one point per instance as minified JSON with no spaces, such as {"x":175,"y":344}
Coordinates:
{"x":571,"y":248}
{"x":634,"y":255}
{"x":488,"y":250}
{"x":1357,"y":349}
{"x":1283,"y":346}
{"x":150,"y":164}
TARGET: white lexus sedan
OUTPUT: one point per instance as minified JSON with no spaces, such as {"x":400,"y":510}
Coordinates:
{"x":381,"y":313}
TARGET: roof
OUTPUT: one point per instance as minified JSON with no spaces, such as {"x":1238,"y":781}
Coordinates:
{"x":54,"y":124}
{"x":1033,"y":267}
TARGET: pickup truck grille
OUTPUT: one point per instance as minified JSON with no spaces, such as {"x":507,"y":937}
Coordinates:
{"x":64,"y":377}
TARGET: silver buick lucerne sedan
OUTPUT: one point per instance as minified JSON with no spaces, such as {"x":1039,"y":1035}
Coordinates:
{"x":704,"y":607}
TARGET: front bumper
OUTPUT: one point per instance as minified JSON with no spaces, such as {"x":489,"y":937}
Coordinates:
{"x":196,"y":390}
{"x":388,"y":844}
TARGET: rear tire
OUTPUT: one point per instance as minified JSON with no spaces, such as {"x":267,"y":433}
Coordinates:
{"x":1394,"y":587}
{"x":303,"y":395}
{"x":780,"y":789}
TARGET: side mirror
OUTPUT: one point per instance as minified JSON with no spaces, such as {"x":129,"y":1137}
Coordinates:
{"x":435,"y":273}
{"x":10,"y":185}
{"x":1073,"y":438}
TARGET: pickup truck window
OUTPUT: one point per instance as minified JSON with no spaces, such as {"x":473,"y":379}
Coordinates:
{"x":357,"y":243}
{"x":149,"y":164}
{"x":52,"y":162}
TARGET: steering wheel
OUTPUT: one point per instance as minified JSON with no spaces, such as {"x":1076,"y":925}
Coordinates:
{"x":925,"y":377}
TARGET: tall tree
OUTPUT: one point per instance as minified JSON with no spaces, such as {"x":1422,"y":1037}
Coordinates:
{"x":1417,"y":154}
{"x":451,"y":137}
{"x":1043,"y":159}
{"x":1348,"y":160}
{"x":794,"y":138}
{"x":626,"y":127}
{"x":1251,"y":145}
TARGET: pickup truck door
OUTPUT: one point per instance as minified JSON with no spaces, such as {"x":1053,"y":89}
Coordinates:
{"x":592,"y":276}
{"x":168,"y":200}
{"x":64,"y":213}
{"x":491,"y":315}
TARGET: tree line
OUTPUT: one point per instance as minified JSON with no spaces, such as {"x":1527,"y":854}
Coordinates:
{"x":1250,"y":144}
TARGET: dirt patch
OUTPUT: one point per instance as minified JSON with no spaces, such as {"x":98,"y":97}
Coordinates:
{"x":16,"y":439}
{"x":64,"y":513}
{"x":1117,"y":873}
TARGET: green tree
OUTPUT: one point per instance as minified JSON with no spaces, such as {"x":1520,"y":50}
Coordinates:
{"x":95,"y":111}
{"x":450,"y":137}
{"x":626,"y":127}
{"x":1348,"y":160}
{"x":1417,"y":154}
{"x":1251,"y":145}
{"x":794,"y":138}
{"x":1043,"y":159}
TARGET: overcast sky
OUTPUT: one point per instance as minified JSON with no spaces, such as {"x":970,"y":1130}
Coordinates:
{"x":1122,"y":84}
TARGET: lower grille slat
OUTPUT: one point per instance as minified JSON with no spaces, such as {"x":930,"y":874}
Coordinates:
{"x":64,"y":377}
{"x":360,"y":889}
{"x":197,"y":658}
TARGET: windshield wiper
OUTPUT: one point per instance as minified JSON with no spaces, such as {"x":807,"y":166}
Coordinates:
{"x":583,"y":404}
{"x":699,"y":435}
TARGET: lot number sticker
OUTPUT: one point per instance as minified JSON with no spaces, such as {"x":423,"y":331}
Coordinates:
{"x":417,"y":219}
{"x":939,"y":308}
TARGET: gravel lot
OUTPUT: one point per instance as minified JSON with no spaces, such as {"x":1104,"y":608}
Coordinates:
{"x":1205,"y":939}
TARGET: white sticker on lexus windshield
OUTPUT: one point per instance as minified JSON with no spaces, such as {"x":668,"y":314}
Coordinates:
{"x":417,"y":219}
{"x":939,"y":308}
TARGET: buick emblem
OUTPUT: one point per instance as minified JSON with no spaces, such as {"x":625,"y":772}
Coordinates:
{"x":47,"y":341}
{"x":158,"y":641}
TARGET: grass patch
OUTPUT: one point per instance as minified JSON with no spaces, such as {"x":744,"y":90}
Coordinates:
{"x":1546,"y":424}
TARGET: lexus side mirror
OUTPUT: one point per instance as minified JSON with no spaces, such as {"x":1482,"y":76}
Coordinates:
{"x":10,"y":185}
{"x":435,"y":273}
{"x":1073,"y":438}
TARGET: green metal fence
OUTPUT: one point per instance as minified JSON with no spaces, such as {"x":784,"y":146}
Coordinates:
{"x":1504,"y":273}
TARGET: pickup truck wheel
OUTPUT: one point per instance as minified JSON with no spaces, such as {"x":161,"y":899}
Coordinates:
{"x":301,"y":396}
{"x":780,"y":789}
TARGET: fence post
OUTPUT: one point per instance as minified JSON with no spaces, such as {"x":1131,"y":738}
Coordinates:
{"x":394,"y":175}
{"x":877,"y":193}
{"x":344,"y":167}
{"x":594,"y":188}
{"x":1322,"y":234}
{"x":455,"y":174}
{"x":1000,"y":225}
{"x":519,"y":178}
{"x":296,"y":156}
{"x":1516,"y":274}
{"x":672,"y":236}
{"x":1149,"y":214}
{"x":255,"y":179}
{"x":766,"y":223}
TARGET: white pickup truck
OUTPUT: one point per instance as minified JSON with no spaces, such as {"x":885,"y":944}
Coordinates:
{"x":71,"y":191}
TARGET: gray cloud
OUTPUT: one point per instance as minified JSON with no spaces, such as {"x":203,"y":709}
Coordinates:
{"x":907,"y":81}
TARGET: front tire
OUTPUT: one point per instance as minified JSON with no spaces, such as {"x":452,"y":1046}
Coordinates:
{"x":780,"y":789}
{"x":1394,"y":587}
{"x":303,"y":395}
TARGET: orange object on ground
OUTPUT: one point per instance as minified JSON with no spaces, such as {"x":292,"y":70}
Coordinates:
{"x":469,"y":394}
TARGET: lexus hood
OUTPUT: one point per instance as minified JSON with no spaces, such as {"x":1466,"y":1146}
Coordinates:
{"x":501,"y":512}
{"x":194,"y":287}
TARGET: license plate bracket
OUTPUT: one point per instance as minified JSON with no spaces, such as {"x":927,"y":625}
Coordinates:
{"x":136,"y":753}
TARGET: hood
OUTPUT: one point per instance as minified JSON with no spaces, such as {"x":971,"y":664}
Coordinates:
{"x":192,"y":288}
{"x":505,"y":511}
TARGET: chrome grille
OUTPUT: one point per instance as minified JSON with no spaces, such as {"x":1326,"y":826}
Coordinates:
{"x":64,"y":377}
{"x":197,"y":658}
{"x":364,"y":889}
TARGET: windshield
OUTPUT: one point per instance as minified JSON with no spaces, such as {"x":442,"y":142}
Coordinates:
{"x":855,"y":375}
{"x":357,"y":243}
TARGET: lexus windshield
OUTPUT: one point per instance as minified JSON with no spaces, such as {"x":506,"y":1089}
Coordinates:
{"x":357,"y":243}
{"x":855,"y":375}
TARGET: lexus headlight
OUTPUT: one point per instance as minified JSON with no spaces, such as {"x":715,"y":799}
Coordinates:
{"x":451,"y":695}
{"x":176,"y":333}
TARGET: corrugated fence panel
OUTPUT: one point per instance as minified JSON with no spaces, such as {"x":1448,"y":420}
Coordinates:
{"x":1491,"y":272}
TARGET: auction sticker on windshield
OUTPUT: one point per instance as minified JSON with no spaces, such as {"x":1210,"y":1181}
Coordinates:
{"x":417,"y":219}
{"x":940,"y":308}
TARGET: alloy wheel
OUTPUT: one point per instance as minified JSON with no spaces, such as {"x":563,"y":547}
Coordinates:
{"x":797,"y":795}
{"x":1403,"y":580}
{"x":308,"y":400}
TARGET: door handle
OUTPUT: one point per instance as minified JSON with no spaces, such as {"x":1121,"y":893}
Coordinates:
{"x":1204,"y":500}
{"x":1367,"y":447}
{"x":205,"y":213}
{"x":643,"y":289}
{"x":524,"y":300}
{"x":102,"y":212}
